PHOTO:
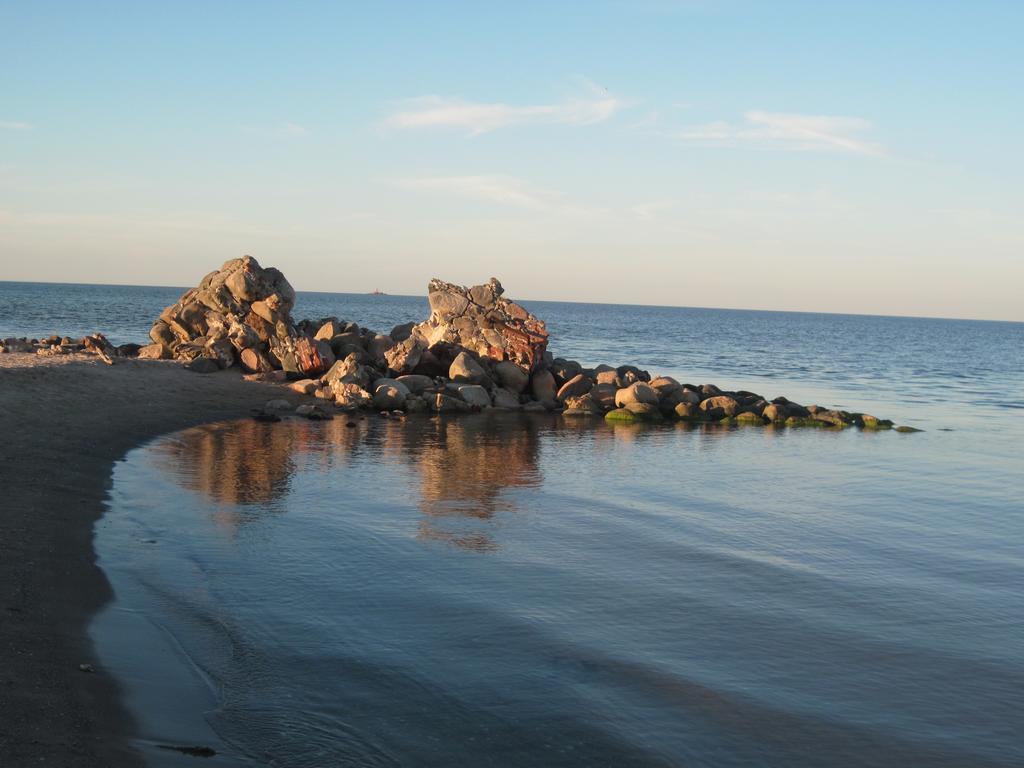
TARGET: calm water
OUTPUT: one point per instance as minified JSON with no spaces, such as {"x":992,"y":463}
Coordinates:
{"x":526,"y":591}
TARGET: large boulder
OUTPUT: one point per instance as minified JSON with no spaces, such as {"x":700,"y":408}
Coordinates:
{"x":242,"y":303}
{"x":480,"y":320}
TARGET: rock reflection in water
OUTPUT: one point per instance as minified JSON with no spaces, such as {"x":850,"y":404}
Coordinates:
{"x":464,"y":466}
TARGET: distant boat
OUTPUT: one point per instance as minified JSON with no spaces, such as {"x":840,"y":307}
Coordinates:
{"x":377,"y":292}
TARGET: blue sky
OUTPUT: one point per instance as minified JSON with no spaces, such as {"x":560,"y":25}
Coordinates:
{"x":849,"y":157}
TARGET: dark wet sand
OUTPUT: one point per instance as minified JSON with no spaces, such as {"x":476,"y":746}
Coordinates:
{"x":63,"y":423}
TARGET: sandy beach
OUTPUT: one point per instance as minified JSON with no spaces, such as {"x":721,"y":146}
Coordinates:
{"x":65,"y":422}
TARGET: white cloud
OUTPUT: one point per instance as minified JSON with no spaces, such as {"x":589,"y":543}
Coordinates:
{"x":294,"y":129}
{"x":788,"y":131}
{"x":501,"y":190}
{"x":14,"y":125}
{"x":478,"y":117}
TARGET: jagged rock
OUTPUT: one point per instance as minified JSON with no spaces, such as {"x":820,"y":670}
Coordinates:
{"x":378,"y":345}
{"x":304,"y":386}
{"x":687,"y":411}
{"x":402,"y":358}
{"x":583,"y":404}
{"x":480,"y":320}
{"x":221,"y":352}
{"x":348,"y":371}
{"x":349,"y":395}
{"x":610,"y":377}
{"x":241,"y":302}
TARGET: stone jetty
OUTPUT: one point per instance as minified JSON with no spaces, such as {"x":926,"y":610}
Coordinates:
{"x":477,"y":350}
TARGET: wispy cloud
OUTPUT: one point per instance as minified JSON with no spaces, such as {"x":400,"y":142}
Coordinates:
{"x":787,"y":131}
{"x":501,"y":190}
{"x":14,"y":125}
{"x":479,"y":117}
{"x":294,"y":129}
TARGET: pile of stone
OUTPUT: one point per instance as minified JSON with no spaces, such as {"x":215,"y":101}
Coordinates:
{"x":239,"y":314}
{"x":54,"y":345}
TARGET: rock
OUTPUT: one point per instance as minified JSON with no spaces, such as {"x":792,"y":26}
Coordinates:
{"x":348,"y":371}
{"x":774,"y":412}
{"x":610,"y":377}
{"x":717,"y":407}
{"x":254,"y":361}
{"x":154,"y":352}
{"x":203,"y":365}
{"x":604,"y":395}
{"x":506,"y":398}
{"x":330,"y":328}
{"x":304,"y":386}
{"x":447,"y":404}
{"x":390,"y":395}
{"x":564,"y":370}
{"x":378,"y":345}
{"x":416,"y":384}
{"x":645,"y":411}
{"x":512,"y":376}
{"x":466,"y":369}
{"x":534,"y":407}
{"x":574,"y":387}
{"x":584,"y":404}
{"x":241,"y":302}
{"x":323,"y":393}
{"x":542,"y":385}
{"x":833,"y":418}
{"x":687,"y":412}
{"x":480,"y":320}
{"x":278,"y":406}
{"x":161,"y":333}
{"x":349,"y":395}
{"x":475,"y":395}
{"x":123,"y":350}
{"x":313,"y":413}
{"x":402,"y":332}
{"x":274,"y":377}
{"x":630,"y":374}
{"x":621,"y":415}
{"x":638,"y":392}
{"x":242,"y":336}
{"x":665,"y":385}
{"x":867,"y":421}
{"x":221,"y":352}
{"x":747,"y":417}
{"x":416,"y":404}
{"x":907,"y":430}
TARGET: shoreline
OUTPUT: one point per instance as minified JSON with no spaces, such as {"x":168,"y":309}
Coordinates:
{"x":67,"y":420}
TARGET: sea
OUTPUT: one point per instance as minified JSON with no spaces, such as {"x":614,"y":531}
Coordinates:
{"x":511,"y":589}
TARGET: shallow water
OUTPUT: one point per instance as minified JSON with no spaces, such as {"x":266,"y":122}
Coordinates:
{"x":513,"y":590}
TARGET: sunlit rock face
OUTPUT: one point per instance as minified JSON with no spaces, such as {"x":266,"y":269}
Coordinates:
{"x":479,"y":319}
{"x":240,"y":312}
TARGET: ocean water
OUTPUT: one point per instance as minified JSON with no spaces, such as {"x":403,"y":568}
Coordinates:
{"x":525,"y":590}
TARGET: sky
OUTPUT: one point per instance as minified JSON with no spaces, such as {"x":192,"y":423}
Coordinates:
{"x":862,"y":157}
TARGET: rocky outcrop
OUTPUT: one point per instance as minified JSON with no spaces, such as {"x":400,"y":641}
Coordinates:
{"x":241,"y":312}
{"x":477,"y":350}
{"x":481,"y":321}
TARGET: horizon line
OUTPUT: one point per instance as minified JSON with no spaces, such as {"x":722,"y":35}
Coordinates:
{"x":567,"y":301}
